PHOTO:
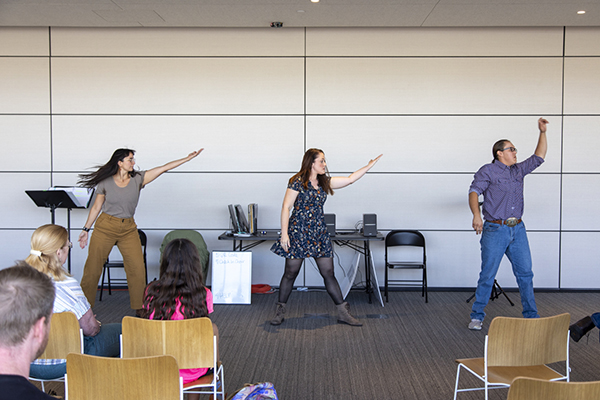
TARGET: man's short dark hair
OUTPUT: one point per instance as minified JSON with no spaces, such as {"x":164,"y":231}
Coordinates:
{"x":26,"y":295}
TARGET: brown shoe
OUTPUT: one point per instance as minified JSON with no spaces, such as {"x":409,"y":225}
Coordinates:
{"x":344,"y":315}
{"x":279,"y":313}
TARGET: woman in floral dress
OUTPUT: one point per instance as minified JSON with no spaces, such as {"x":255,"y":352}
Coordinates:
{"x":304,"y":234}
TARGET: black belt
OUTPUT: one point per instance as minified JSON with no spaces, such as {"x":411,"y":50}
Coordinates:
{"x":508,"y":222}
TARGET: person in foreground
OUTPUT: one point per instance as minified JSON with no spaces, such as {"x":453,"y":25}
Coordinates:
{"x":180,"y":294}
{"x":501,"y":183}
{"x":117,"y":194}
{"x":26,"y":299}
{"x":304,"y":234}
{"x":49,"y":250}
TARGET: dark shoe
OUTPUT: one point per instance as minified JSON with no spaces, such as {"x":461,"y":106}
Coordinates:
{"x":580,"y":328}
{"x":279,"y":313}
{"x":344,"y":315}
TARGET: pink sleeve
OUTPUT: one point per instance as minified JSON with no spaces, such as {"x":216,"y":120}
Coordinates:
{"x":209,"y":301}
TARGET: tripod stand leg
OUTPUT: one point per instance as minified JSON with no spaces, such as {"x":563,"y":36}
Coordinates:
{"x":470,"y":298}
{"x":501,"y":291}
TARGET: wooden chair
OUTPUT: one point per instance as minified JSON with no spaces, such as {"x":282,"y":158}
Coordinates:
{"x":536,"y":389}
{"x":65,"y":337}
{"x":520,"y":347}
{"x":107,"y":378}
{"x":191,"y":341}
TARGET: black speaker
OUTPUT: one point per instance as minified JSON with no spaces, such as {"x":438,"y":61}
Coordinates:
{"x":330,"y":224}
{"x":369,"y":224}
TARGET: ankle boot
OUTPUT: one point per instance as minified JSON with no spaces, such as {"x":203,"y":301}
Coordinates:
{"x":344,"y":315}
{"x":580,"y":328}
{"x":279,"y":313}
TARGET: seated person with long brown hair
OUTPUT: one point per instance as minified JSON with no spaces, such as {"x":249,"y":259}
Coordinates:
{"x":179,"y":292}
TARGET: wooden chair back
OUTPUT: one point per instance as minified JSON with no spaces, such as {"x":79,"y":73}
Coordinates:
{"x":516,"y":342}
{"x":537,"y":389}
{"x":64,"y":338}
{"x":107,"y":378}
{"x":190,"y":341}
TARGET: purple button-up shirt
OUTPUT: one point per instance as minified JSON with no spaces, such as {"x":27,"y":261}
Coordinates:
{"x":502,"y":187}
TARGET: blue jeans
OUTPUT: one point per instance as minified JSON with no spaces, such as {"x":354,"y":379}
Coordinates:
{"x":105,"y":344}
{"x":496,"y":241}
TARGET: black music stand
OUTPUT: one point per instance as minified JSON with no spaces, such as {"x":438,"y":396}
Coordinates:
{"x":54,"y":199}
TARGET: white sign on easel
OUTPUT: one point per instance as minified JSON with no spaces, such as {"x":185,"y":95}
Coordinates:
{"x":231,"y":277}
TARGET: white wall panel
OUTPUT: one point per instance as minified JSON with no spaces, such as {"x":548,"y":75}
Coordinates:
{"x":404,"y":201}
{"x":426,"y":144}
{"x":25,"y":143}
{"x":542,"y":202}
{"x":166,"y":42}
{"x":17,"y":210}
{"x":180,"y":200}
{"x":582,"y":41}
{"x":581,"y":139}
{"x":16,"y":245}
{"x":24,"y":41}
{"x":580,"y":200}
{"x":239,"y":143}
{"x":582,"y":85}
{"x":178,"y":85}
{"x":580,"y":260}
{"x":434,"y":42}
{"x":25,"y":85}
{"x":434,"y":85}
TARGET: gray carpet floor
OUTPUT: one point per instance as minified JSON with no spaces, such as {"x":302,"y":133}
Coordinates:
{"x":405,"y":350}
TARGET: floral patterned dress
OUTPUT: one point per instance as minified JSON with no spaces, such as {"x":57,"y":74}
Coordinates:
{"x":307,"y":231}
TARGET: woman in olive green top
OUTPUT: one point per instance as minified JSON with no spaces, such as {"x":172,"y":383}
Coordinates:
{"x":117,"y":194}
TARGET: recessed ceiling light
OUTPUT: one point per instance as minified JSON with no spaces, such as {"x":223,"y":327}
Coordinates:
{"x":581,"y":12}
{"x":314,"y":1}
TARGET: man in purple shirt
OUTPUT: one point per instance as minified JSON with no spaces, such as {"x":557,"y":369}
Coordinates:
{"x":501,"y":183}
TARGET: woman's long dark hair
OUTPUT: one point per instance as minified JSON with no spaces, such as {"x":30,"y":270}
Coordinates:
{"x":180,"y":279}
{"x":304,"y":174}
{"x":107,"y":170}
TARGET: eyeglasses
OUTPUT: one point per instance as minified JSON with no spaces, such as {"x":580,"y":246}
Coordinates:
{"x":69,"y":245}
{"x":513,"y":149}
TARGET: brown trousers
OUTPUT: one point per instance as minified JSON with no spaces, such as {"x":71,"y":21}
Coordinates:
{"x":122,"y":232}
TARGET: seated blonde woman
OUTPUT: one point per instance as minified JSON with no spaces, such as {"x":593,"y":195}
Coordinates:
{"x":49,"y":251}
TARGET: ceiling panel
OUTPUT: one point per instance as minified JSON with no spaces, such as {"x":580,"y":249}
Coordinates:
{"x":297,"y":13}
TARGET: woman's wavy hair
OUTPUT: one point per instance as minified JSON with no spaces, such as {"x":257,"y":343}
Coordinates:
{"x":107,"y":170}
{"x":180,"y":279}
{"x":304,"y":174}
{"x":48,"y":239}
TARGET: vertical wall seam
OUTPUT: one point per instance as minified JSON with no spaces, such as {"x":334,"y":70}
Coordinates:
{"x":561,"y":169}
{"x":305,"y":29}
{"x":50,"y":105}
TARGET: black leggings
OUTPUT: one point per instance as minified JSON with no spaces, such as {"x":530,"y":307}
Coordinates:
{"x":292,"y":268}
